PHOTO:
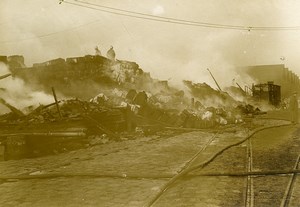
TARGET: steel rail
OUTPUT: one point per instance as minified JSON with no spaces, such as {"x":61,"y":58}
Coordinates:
{"x":249,"y":202}
{"x":183,"y":173}
{"x":289,"y":190}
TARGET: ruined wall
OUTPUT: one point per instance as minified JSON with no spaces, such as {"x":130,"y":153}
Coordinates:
{"x":16,"y":61}
{"x":80,"y":76}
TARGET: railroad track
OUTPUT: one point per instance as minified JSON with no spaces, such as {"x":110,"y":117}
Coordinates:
{"x":249,"y":201}
{"x":285,"y":202}
{"x":290,"y":187}
{"x":185,"y":170}
{"x":249,"y":195}
{"x":191,"y":166}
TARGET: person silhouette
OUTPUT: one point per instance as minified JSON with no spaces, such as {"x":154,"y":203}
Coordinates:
{"x":97,"y":51}
{"x":294,"y":108}
{"x":111,"y":53}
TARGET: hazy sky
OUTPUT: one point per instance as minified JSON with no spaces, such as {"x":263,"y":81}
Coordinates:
{"x":43,"y":29}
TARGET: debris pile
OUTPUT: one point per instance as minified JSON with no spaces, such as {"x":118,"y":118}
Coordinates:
{"x":208,"y":96}
{"x":128,"y":100}
{"x":207,"y":108}
{"x":46,"y":130}
{"x":75,"y":109}
{"x":248,"y":109}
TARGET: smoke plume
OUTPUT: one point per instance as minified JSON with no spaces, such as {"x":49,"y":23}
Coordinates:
{"x":15,"y":92}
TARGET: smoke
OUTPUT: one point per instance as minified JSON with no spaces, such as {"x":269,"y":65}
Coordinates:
{"x":15,"y":92}
{"x":169,"y":51}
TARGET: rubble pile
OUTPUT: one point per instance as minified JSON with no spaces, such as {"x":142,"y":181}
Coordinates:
{"x":191,"y":119}
{"x":128,"y":101}
{"x":209,"y":96}
{"x":72,"y":110}
{"x":248,"y":109}
{"x":196,"y":116}
{"x":109,"y":110}
{"x":167,"y":116}
{"x":49,"y":129}
{"x":209,"y":117}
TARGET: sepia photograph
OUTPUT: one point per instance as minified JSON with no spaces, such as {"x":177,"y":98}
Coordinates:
{"x":149,"y":103}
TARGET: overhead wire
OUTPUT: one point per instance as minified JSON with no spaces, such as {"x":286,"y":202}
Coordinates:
{"x":144,"y":16}
{"x":139,"y":15}
{"x":155,"y":16}
{"x":158,"y":18}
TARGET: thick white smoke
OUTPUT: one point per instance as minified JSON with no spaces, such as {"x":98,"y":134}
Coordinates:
{"x":15,"y":92}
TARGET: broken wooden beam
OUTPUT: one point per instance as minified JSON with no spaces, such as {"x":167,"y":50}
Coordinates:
{"x":56,"y":102}
{"x":12,"y":108}
{"x":5,"y":76}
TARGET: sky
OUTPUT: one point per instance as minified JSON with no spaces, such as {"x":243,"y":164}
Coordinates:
{"x":42,"y":30}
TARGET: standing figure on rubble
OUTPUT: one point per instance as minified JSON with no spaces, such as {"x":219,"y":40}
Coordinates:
{"x":294,"y":108}
{"x":111,"y":53}
{"x":97,"y":51}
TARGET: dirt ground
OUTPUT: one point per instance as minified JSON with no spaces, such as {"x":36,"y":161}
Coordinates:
{"x":132,"y":172}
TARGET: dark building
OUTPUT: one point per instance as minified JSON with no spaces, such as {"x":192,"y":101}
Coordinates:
{"x":267,"y":92}
{"x":278,"y":74}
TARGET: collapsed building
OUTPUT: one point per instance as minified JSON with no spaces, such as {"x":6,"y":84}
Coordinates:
{"x":124,"y":98}
{"x":14,"y":61}
{"x":83,"y":77}
{"x":66,"y":74}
